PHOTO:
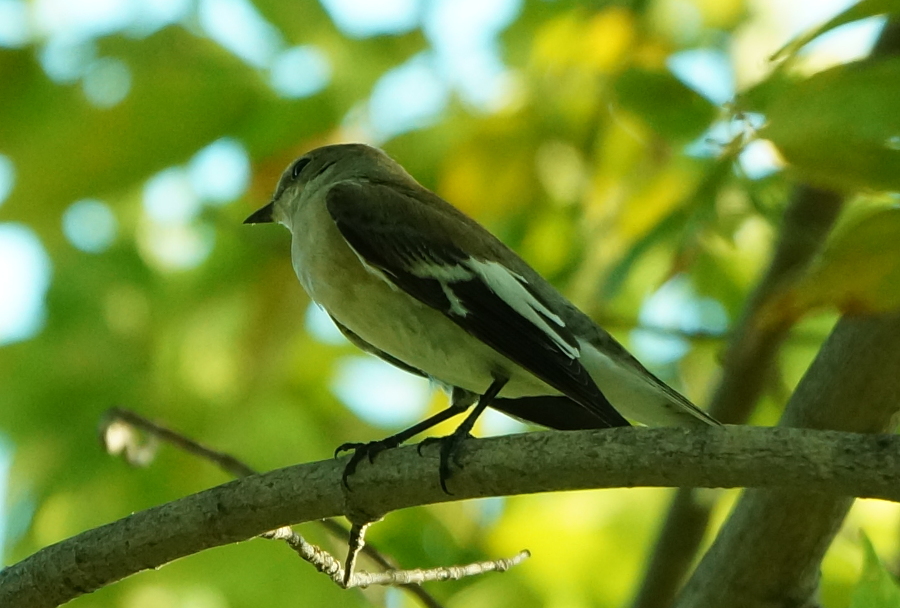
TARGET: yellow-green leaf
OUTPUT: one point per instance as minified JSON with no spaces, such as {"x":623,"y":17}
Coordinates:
{"x":860,"y":10}
{"x":858,"y":271}
{"x":841,"y":128}
{"x":876,"y":587}
{"x":671,"y":108}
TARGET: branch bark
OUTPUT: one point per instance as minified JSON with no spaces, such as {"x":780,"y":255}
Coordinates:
{"x":768,"y":552}
{"x":746,"y":367}
{"x":803,"y":460}
{"x":750,"y":355}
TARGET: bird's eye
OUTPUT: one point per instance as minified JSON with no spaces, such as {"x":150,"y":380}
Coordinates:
{"x":298,"y":167}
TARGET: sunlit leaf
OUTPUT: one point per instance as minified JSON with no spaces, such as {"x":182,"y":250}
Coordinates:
{"x":841,"y":128}
{"x":678,"y":222}
{"x":877,"y":588}
{"x":860,"y":10}
{"x":858,"y":271}
{"x":671,"y":108}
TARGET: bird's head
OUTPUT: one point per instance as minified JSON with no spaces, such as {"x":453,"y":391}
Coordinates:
{"x":321,"y":168}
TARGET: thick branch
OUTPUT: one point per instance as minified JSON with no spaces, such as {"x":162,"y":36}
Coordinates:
{"x":750,"y":355}
{"x":746,"y":367}
{"x":805,"y":461}
{"x":769,"y":551}
{"x":754,"y":345}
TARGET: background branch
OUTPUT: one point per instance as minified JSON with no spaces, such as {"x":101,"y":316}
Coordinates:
{"x":746,"y":367}
{"x":808,"y":219}
{"x":118,"y":416}
{"x":806,"y":461}
{"x":775,"y":540}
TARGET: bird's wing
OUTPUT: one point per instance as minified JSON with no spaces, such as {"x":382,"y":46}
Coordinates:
{"x":552,"y":411}
{"x":411,"y":245}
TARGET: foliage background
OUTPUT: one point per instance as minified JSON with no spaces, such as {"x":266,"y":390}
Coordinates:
{"x":591,"y":137}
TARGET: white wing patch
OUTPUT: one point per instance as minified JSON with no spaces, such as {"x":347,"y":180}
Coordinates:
{"x":441,"y":272}
{"x":508,"y":286}
{"x":444,"y":274}
{"x":456,"y":307}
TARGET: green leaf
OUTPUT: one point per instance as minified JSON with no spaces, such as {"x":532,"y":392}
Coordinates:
{"x":762,"y":96}
{"x":670,"y":108}
{"x":841,"y":128}
{"x":876,"y":587}
{"x":680,"y":224}
{"x":861,"y":10}
{"x":858,"y":271}
{"x":185,"y":93}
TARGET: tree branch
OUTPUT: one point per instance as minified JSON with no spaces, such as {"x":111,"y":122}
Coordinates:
{"x":746,"y":367}
{"x":805,"y":461}
{"x":119,"y":435}
{"x":775,"y":540}
{"x":808,"y":219}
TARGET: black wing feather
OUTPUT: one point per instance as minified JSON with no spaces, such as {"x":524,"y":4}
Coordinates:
{"x":554,"y":412}
{"x":496,"y":323}
{"x":397,"y":247}
{"x":551,"y":411}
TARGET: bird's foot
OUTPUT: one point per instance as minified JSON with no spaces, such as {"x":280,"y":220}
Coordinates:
{"x":361,"y":451}
{"x":449,"y":454}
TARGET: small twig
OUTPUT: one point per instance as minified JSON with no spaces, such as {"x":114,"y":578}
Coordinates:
{"x":226,"y":462}
{"x":327,"y":564}
{"x":318,"y":557}
{"x":356,"y":544}
{"x":341,"y":533}
{"x":445,"y":573}
{"x":120,"y":440}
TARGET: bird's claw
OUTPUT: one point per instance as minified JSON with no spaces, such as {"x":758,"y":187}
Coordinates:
{"x":350,"y":445}
{"x":360,"y":451}
{"x":449,"y":453}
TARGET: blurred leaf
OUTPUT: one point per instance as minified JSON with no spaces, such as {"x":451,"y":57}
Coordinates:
{"x":681,"y":221}
{"x":877,"y":588}
{"x":300,"y":22}
{"x":356,"y":65}
{"x":858,"y":271}
{"x":185,"y":93}
{"x":594,"y":41}
{"x":671,"y":109}
{"x":860,"y":10}
{"x":669,"y":227}
{"x":841,"y":128}
{"x":761,"y":96}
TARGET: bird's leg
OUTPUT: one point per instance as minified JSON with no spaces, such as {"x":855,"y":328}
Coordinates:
{"x":373,"y":448}
{"x":450,"y":444}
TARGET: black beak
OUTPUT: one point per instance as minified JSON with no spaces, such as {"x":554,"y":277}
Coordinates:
{"x":262,"y":216}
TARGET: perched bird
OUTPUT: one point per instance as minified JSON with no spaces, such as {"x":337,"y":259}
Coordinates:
{"x":410,"y":278}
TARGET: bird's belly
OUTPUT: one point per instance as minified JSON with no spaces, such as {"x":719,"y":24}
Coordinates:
{"x":427,"y":340}
{"x":405,"y":328}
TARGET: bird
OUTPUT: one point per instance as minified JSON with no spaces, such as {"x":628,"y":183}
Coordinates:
{"x":410,"y":278}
